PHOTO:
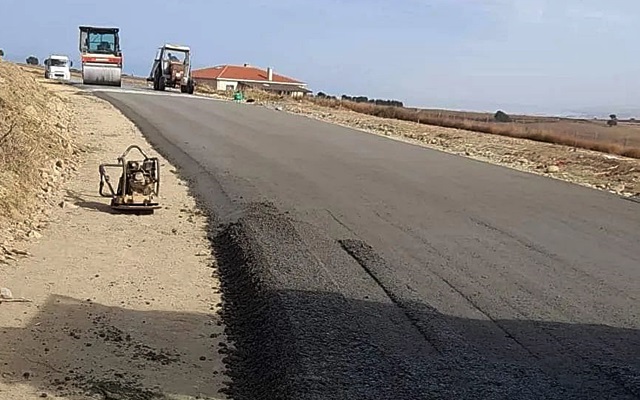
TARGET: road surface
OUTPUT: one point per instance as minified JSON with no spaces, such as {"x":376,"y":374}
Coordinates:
{"x":360,"y":267}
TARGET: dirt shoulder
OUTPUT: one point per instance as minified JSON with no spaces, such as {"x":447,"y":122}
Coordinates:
{"x":593,"y":169}
{"x":121,"y":306}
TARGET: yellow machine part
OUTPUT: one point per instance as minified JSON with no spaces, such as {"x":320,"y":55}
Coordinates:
{"x":102,"y":74}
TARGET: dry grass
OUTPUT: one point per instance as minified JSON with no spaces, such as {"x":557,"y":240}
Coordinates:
{"x":622,"y":140}
{"x":33,"y":137}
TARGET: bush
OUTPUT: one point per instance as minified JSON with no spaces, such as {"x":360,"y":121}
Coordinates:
{"x":1,"y":53}
{"x":501,"y":116}
{"x":31,"y":60}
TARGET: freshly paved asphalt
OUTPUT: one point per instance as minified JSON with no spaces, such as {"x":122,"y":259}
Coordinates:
{"x":362,"y":267}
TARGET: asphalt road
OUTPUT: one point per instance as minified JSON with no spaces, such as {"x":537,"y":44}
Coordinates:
{"x":360,"y":267}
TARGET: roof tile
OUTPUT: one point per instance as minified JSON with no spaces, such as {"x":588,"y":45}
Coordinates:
{"x":240,"y":73}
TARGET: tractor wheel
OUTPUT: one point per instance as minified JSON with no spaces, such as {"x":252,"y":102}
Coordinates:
{"x":162,"y":83}
{"x":183,"y":89}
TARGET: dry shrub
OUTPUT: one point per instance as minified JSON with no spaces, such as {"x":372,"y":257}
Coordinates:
{"x":33,"y":137}
{"x":458,"y":120}
{"x":261,"y":95}
{"x":205,"y":88}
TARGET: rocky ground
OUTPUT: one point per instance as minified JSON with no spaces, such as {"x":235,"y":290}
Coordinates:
{"x":96,"y":304}
{"x":593,"y":169}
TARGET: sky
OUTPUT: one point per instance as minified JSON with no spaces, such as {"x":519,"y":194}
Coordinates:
{"x":521,"y":56}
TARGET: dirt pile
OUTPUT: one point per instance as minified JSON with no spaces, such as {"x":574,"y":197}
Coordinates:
{"x":36,"y":148}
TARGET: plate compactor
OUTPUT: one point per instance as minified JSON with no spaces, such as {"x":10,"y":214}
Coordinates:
{"x":138,"y":186}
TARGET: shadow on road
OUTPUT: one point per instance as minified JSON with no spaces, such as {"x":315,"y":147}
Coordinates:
{"x":80,"y":200}
{"x":310,"y":321}
{"x":76,"y":348}
{"x":366,"y":350}
{"x":304,"y":345}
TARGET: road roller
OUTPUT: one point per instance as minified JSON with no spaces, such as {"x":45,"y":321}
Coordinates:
{"x":101,"y":56}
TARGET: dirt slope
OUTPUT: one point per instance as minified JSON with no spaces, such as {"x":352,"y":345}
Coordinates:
{"x":122,"y":306}
{"x":36,"y":149}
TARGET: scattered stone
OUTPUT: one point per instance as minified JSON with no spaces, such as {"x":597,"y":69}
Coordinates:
{"x":66,"y":204}
{"x":34,"y":235}
{"x":619,"y":188}
{"x":5,"y":294}
{"x":552,"y":169}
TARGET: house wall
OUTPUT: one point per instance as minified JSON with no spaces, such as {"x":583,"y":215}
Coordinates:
{"x":217,"y":84}
{"x":222,"y":84}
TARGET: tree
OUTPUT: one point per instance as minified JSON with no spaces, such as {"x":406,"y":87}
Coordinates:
{"x":31,"y":60}
{"x":1,"y":53}
{"x":379,"y":102}
{"x":613,"y":121}
{"x":501,"y":116}
{"x":321,"y":95}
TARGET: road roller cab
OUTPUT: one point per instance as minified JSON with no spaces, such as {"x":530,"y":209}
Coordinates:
{"x":101,"y":56}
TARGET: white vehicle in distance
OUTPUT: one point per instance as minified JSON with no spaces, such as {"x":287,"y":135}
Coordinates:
{"x":58,"y":67}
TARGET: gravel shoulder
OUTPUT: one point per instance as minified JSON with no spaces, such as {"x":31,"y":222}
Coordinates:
{"x":121,"y":306}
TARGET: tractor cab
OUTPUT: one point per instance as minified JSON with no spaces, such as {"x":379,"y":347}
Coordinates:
{"x":172,"y":68}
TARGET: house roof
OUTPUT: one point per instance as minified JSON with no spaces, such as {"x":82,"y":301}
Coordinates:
{"x":241,"y":73}
{"x":277,"y":87}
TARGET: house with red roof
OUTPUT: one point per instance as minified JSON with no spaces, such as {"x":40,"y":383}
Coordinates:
{"x":238,"y":77}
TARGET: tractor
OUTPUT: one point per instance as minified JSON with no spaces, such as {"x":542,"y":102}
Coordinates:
{"x":172,"y":69}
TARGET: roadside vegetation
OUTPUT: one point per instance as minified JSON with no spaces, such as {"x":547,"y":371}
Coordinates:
{"x":607,"y":137}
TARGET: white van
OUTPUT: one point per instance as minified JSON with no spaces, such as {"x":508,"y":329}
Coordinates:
{"x":58,"y":67}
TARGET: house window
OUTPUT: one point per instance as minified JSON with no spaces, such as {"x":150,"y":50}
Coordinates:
{"x":230,"y":87}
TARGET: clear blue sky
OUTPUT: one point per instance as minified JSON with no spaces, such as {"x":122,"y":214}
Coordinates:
{"x":518,"y":55}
